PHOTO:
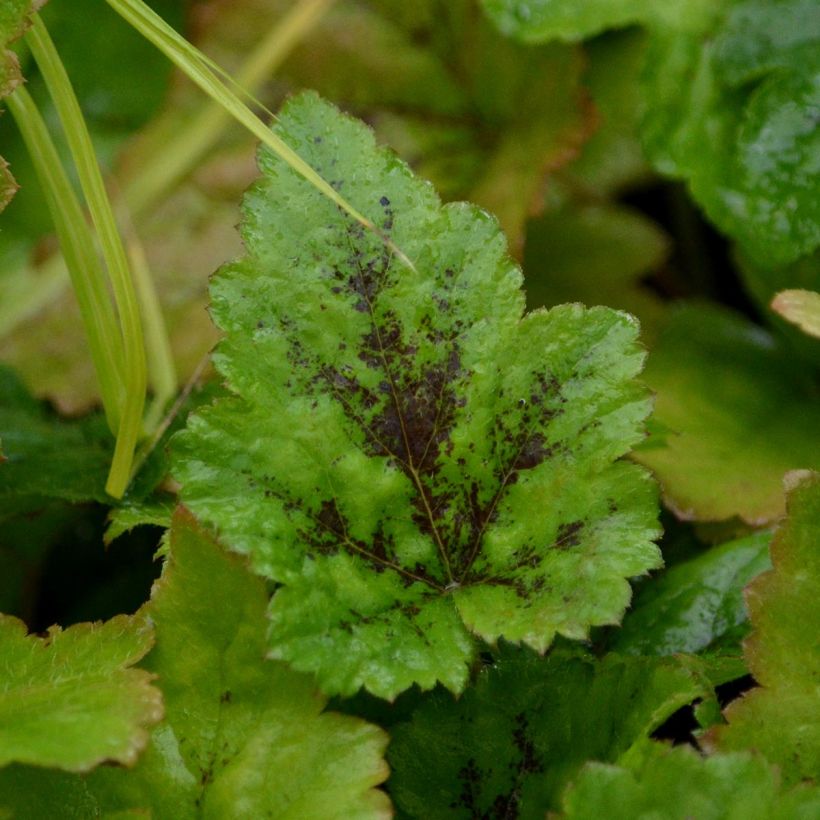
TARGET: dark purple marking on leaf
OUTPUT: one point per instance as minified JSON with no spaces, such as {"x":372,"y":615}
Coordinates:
{"x":569,"y":535}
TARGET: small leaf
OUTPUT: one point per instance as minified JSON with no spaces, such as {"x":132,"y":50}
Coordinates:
{"x":510,"y":743}
{"x":696,"y":605}
{"x":779,"y":718}
{"x":675,"y":783}
{"x":69,"y":700}
{"x":536,"y":21}
{"x":410,"y":466}
{"x":740,"y":413}
{"x":801,"y":307}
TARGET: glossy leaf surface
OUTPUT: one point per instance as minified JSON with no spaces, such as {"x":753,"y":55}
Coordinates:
{"x":779,"y":718}
{"x":70,"y":700}
{"x":696,"y":605}
{"x":411,"y":467}
{"x":512,"y":741}
{"x":733,"y":112}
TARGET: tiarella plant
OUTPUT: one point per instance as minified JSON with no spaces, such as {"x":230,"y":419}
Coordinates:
{"x":403,"y":499}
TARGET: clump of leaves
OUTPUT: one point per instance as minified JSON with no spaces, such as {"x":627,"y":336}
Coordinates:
{"x":395,"y":455}
{"x":242,"y":736}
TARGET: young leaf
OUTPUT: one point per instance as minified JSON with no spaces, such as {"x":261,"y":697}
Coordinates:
{"x":696,"y":605}
{"x":69,"y":700}
{"x":741,"y":413}
{"x":510,"y":744}
{"x":406,"y":454}
{"x":779,"y":718}
{"x":243,"y":736}
{"x":675,"y":783}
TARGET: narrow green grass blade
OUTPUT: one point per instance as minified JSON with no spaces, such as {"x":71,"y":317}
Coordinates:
{"x":77,"y":243}
{"x":198,"y":68}
{"x":179,"y":156}
{"x":91,"y":180}
{"x":162,"y":374}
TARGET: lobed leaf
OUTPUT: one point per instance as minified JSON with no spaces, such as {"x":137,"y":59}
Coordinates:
{"x":406,"y":454}
{"x":70,"y":700}
{"x":696,"y":605}
{"x":676,"y":783}
{"x":779,"y":718}
{"x":740,"y":412}
{"x":242,"y":736}
{"x":510,"y":744}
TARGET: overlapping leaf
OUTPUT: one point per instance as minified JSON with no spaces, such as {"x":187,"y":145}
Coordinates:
{"x":243,"y":737}
{"x":676,"y":784}
{"x":410,"y":457}
{"x":595,"y":254}
{"x":511,"y":743}
{"x":696,"y":605}
{"x":739,"y":412}
{"x":70,"y":700}
{"x":779,"y":718}
{"x":733,"y":111}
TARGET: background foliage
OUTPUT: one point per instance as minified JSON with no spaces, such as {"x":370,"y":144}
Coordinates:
{"x":409,"y":526}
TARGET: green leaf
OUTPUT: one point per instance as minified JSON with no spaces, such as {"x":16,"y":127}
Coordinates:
{"x":764,"y":282}
{"x":536,"y":21}
{"x":741,"y":413}
{"x":70,"y":700}
{"x":595,"y":254}
{"x":779,"y":718}
{"x":613,"y":158}
{"x":732,"y":111}
{"x":243,"y":736}
{"x":675,"y":783}
{"x":48,"y":457}
{"x":696,"y":605}
{"x":390,"y":439}
{"x":482,"y":117}
{"x":510,"y":743}
{"x":801,"y":307}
